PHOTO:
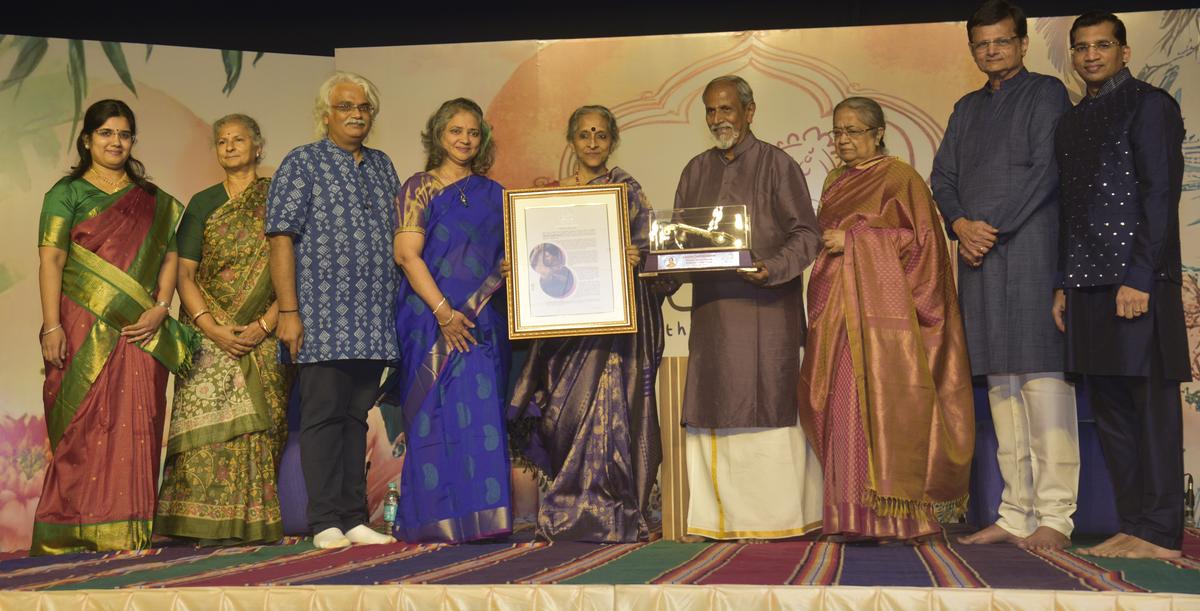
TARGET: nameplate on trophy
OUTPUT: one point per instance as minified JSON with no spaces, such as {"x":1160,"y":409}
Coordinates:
{"x":700,"y":239}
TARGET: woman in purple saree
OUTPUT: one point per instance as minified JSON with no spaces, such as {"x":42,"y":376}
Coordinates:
{"x":453,"y":339}
{"x":587,"y":404}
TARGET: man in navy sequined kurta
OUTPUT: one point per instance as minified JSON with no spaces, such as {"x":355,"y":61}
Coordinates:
{"x":1120,"y":163}
{"x":996,"y":184}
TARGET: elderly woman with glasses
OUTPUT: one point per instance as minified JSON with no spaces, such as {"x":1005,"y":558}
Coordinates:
{"x":229,"y":417}
{"x":885,"y":388}
{"x":107,"y":251}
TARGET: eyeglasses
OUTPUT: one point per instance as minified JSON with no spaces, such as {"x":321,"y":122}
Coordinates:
{"x":1000,"y":43}
{"x":1099,"y":45}
{"x":853,"y":132}
{"x":123,"y":134}
{"x":345,"y":107}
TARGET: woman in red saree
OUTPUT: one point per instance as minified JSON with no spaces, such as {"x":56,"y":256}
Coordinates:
{"x":885,"y":388}
{"x":106,"y":248}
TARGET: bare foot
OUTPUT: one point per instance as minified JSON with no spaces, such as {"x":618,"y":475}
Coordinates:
{"x":991,"y":534}
{"x":692,"y":539}
{"x":1135,"y":547}
{"x":1101,"y":549}
{"x":1045,"y":538}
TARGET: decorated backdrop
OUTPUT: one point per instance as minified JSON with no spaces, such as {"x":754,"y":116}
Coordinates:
{"x":528,"y":88}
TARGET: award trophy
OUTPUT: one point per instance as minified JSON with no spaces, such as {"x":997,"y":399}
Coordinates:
{"x":713,"y":238}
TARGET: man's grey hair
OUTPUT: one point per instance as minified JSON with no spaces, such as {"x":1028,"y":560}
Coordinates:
{"x":323,"y":105}
{"x":744,"y":92}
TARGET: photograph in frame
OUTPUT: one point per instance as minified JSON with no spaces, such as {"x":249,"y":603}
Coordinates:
{"x":566,"y":248}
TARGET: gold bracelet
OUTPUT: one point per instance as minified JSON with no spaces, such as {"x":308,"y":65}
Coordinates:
{"x":264,"y":326}
{"x":448,"y":320}
{"x":197,"y":315}
{"x":439,"y":306}
{"x":51,"y":330}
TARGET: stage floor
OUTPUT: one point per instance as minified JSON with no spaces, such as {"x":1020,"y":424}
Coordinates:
{"x":942,"y":564}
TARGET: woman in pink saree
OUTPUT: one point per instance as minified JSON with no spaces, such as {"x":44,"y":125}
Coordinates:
{"x":107,"y":252}
{"x":885,"y":388}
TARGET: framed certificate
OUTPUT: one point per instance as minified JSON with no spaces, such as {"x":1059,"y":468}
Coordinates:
{"x":566,"y":247}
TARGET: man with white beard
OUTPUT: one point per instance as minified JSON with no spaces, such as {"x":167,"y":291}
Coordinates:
{"x":750,"y":470}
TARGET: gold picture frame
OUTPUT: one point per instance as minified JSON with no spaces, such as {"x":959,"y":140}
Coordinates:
{"x":566,"y":251}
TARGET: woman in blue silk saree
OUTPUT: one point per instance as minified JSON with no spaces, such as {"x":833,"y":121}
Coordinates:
{"x":449,"y":387}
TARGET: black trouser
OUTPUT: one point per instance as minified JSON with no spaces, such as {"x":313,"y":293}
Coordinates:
{"x":334,"y":399}
{"x":1140,"y":422}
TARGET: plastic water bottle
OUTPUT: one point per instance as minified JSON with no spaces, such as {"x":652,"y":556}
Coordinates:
{"x":389,"y":506}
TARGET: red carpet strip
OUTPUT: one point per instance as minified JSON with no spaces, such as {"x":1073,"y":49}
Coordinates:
{"x":820,"y":566}
{"x":945,"y":566}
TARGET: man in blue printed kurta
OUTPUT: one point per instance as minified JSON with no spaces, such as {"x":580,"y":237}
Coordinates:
{"x":996,"y":183}
{"x":331,"y":218}
{"x":1120,"y":159}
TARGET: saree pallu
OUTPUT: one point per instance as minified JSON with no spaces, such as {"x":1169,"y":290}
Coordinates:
{"x":229,"y":417}
{"x":885,"y":388}
{"x":456,"y":477}
{"x":105,"y":407}
{"x":589,"y":406}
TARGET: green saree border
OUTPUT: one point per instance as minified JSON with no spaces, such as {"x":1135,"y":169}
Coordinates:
{"x":49,"y":538}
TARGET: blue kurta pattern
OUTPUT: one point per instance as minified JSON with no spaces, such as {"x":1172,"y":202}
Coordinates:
{"x":342,"y":217}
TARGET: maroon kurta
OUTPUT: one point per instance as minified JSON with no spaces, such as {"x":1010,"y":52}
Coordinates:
{"x":744,"y":351}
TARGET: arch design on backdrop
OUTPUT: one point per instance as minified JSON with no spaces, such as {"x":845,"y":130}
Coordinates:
{"x":913,"y":134}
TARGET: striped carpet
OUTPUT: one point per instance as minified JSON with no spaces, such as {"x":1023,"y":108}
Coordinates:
{"x":941,"y":563}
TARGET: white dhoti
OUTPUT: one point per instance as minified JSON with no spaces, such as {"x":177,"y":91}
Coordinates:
{"x":1037,"y":437}
{"x":752,"y":483}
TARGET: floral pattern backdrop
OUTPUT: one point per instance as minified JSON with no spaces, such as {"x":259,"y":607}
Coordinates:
{"x":528,"y":89}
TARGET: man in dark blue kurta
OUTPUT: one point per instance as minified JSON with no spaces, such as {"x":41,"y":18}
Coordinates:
{"x":1120,"y":160}
{"x":996,"y":183}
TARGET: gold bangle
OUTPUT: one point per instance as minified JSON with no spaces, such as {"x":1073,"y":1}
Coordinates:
{"x":51,"y":330}
{"x":264,"y":326}
{"x":197,"y":315}
{"x":448,"y":320}
{"x":439,"y":306}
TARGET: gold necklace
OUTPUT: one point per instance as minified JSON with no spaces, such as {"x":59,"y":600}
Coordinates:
{"x":579,"y":179}
{"x":111,"y":185}
{"x":229,"y":186}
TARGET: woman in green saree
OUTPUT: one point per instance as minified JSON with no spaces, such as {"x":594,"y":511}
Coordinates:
{"x":106,"y":248}
{"x":229,"y":419}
